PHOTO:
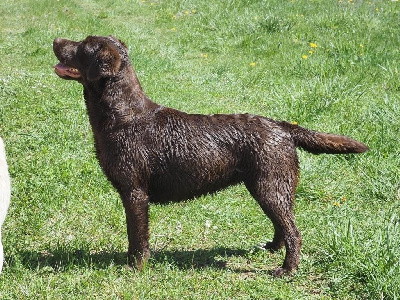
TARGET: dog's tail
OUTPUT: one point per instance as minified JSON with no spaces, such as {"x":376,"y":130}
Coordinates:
{"x":320,"y":142}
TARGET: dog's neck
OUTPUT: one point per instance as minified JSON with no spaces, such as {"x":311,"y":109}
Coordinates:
{"x":111,"y":102}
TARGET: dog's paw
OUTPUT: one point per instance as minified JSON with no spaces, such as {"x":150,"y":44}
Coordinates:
{"x":279,"y":272}
{"x":273,"y":247}
{"x":137,"y":265}
{"x":138,"y":261}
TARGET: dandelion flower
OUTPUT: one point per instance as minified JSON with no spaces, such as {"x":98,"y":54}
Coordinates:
{"x":252,"y":64}
{"x":336,"y":204}
{"x":313,"y":45}
{"x":304,"y":56}
{"x":294,"y":122}
{"x":173,"y":29}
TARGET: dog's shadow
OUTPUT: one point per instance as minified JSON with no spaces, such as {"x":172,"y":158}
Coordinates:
{"x":59,"y":259}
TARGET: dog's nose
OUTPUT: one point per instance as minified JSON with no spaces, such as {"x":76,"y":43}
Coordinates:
{"x":57,"y":41}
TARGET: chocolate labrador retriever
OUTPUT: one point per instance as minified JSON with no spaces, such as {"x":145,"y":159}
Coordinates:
{"x":152,"y":153}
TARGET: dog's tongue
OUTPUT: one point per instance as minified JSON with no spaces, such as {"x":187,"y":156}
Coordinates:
{"x":63,"y":70}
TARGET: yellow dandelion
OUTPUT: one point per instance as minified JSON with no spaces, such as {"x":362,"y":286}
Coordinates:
{"x":294,"y":122}
{"x":336,"y":204}
{"x":187,"y":12}
{"x":344,"y":199}
{"x":310,"y":52}
{"x":313,"y":45}
{"x":204,"y":55}
{"x":173,"y":29}
{"x":174,"y":17}
{"x":304,"y":56}
{"x":193,"y":11}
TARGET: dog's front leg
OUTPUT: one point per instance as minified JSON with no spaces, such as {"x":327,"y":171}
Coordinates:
{"x":136,"y":205}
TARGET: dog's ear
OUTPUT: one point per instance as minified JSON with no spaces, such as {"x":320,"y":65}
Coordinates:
{"x":106,"y":63}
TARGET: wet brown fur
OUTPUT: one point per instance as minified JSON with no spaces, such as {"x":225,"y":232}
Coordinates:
{"x":152,"y":153}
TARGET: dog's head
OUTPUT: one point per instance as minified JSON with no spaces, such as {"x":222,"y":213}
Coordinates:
{"x":93,"y":58}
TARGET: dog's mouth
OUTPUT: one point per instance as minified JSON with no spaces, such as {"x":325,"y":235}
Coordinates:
{"x":66,"y":71}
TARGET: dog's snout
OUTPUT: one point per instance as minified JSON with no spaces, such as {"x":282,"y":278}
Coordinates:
{"x":64,"y":49}
{"x":56,"y":44}
{"x":57,"y":40}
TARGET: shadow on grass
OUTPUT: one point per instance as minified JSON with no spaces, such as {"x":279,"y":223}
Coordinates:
{"x":200,"y":258}
{"x":61,"y":259}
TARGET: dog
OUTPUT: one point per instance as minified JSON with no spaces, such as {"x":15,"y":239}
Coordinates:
{"x":5,"y":194}
{"x":155,"y":154}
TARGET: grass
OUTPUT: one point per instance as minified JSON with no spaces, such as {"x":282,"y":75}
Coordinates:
{"x":328,"y":65}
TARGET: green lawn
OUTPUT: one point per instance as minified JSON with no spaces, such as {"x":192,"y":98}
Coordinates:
{"x":327,"y":65}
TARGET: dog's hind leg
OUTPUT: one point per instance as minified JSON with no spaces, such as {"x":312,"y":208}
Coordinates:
{"x":136,"y":206}
{"x":274,"y":191}
{"x":292,"y":240}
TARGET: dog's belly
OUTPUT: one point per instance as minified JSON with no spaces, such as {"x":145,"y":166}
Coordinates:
{"x":179,"y":184}
{"x":173,"y":191}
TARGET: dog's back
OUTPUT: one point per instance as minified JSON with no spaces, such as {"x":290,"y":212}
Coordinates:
{"x":5,"y":193}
